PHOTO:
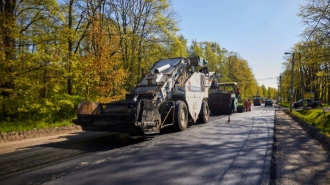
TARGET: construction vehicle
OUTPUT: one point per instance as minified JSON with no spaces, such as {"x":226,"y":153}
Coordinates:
{"x":171,"y":94}
{"x":240,"y":106}
{"x":225,"y":99}
{"x":256,"y":100}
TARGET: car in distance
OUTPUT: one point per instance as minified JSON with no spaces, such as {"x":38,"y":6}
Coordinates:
{"x":308,"y":103}
{"x":268,"y":102}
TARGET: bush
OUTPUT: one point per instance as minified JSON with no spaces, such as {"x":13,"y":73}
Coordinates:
{"x":52,"y":109}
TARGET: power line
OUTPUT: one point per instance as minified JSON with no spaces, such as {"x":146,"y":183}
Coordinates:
{"x":318,"y":21}
{"x":267,"y":78}
{"x":322,"y":40}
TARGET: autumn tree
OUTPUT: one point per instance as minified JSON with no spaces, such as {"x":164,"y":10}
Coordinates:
{"x":103,"y":73}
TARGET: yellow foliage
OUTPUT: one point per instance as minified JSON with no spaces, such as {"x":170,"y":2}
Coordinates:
{"x":104,"y":71}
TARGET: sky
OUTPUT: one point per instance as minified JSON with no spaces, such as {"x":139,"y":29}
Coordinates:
{"x":259,"y":30}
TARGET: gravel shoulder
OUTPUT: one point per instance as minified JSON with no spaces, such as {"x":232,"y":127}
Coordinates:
{"x":15,"y":141}
{"x":300,"y":153}
{"x":37,"y":133}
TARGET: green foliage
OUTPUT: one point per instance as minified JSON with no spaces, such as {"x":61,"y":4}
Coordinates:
{"x":264,"y":91}
{"x":54,"y":109}
{"x":271,"y":93}
{"x":232,"y":67}
{"x":284,"y":104}
{"x":311,"y":57}
{"x":316,"y":118}
{"x":11,"y":126}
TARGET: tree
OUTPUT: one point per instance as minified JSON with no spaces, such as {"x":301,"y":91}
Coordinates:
{"x":264,"y":91}
{"x":271,"y":93}
{"x":16,"y":20}
{"x":314,"y":61}
{"x":146,"y":30}
{"x":103,"y":71}
{"x":232,"y":67}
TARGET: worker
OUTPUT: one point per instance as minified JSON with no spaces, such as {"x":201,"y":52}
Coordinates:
{"x":249,"y":104}
{"x":238,"y":91}
{"x":245,"y":105}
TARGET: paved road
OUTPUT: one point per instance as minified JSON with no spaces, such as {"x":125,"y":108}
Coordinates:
{"x":238,"y":152}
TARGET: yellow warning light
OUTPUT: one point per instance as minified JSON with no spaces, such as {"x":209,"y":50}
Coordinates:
{"x":182,"y":85}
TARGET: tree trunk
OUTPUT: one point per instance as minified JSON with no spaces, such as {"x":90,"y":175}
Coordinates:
{"x":7,"y":20}
{"x":70,"y":44}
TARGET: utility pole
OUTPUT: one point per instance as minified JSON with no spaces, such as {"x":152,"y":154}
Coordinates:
{"x":292,"y":70}
{"x":278,"y":93}
{"x":281,"y":99}
{"x":301,"y":83}
{"x":291,"y":94}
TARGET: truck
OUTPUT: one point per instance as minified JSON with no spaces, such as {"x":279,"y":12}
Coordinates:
{"x":308,"y":103}
{"x":172,"y":94}
{"x":257,"y":101}
{"x":225,"y":99}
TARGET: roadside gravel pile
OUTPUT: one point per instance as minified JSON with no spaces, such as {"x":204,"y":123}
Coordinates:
{"x":15,"y":136}
{"x":298,"y":158}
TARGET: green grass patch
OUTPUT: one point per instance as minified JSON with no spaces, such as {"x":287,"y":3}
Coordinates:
{"x":30,"y":125}
{"x":316,"y":118}
{"x":284,"y":104}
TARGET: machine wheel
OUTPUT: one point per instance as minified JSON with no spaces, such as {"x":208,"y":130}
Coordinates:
{"x":181,"y":116}
{"x":203,"y":116}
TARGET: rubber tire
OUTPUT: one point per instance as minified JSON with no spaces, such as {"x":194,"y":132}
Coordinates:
{"x":203,"y":116}
{"x":181,"y":116}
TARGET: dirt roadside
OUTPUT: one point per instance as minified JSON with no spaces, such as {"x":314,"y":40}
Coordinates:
{"x":300,"y":154}
{"x":13,"y":141}
{"x":37,"y":133}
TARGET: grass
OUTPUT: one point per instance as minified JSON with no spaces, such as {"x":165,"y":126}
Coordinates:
{"x":284,"y":104}
{"x":316,"y":118}
{"x":30,"y":125}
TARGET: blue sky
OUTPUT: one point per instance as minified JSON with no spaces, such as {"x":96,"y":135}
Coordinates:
{"x":259,"y":30}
